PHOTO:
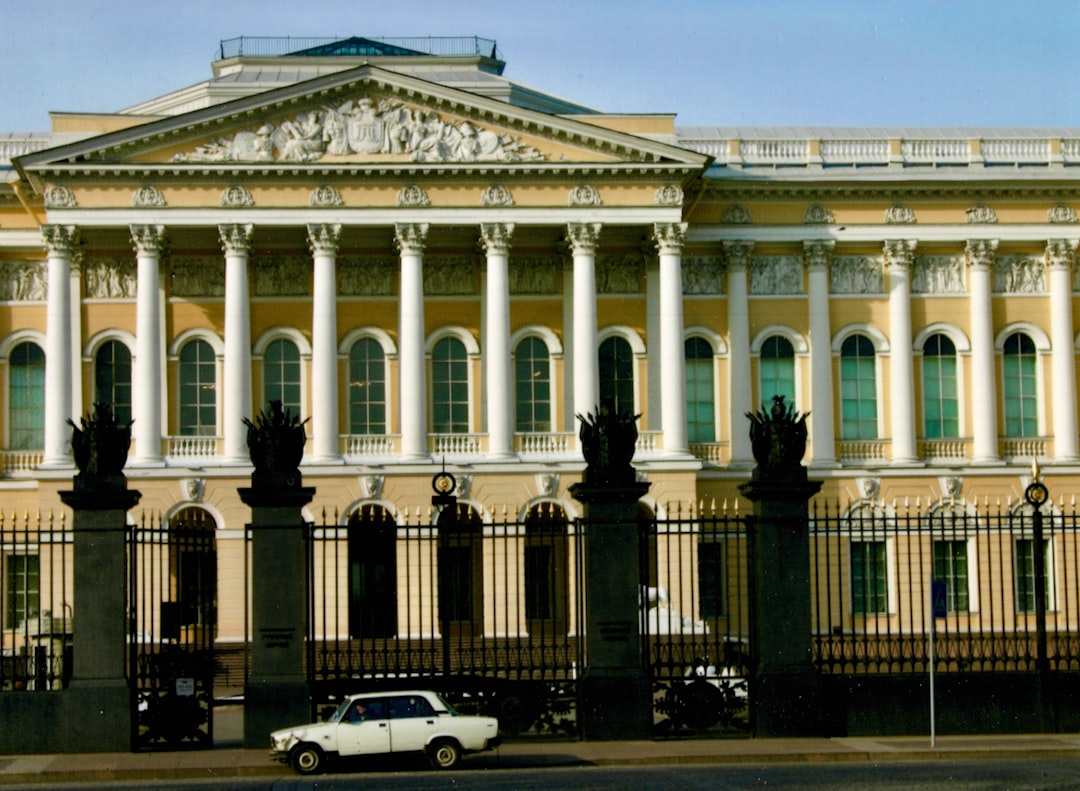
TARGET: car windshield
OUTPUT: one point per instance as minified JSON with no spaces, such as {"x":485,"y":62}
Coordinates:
{"x":337,"y":715}
{"x":449,"y":709}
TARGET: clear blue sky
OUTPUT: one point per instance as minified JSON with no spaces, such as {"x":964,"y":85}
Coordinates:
{"x":713,"y":62}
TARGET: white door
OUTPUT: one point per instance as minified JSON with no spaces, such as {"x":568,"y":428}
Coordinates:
{"x":364,"y":730}
{"x":412,"y":721}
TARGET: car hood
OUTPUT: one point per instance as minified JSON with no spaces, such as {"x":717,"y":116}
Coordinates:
{"x":309,"y":731}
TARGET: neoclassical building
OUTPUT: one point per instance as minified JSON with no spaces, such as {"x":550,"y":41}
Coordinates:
{"x":440,"y":266}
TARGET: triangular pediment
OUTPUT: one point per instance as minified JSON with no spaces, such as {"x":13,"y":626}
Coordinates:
{"x":363,"y":116}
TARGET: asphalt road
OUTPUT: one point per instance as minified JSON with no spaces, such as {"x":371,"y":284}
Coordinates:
{"x":1013,"y":775}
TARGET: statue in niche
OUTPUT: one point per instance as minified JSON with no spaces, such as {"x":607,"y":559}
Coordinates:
{"x":778,"y":440}
{"x":608,"y":439}
{"x":276,"y":443}
{"x":100,"y":449}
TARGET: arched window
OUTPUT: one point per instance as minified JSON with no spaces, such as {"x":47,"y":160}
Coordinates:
{"x":281,"y":375}
{"x":532,"y":386}
{"x":546,"y":564}
{"x":700,"y":407}
{"x":777,"y":369}
{"x":941,"y":409}
{"x":372,"y":573}
{"x":461,"y":571}
{"x":449,"y":387}
{"x":617,"y":374}
{"x":26,"y":397}
{"x":112,"y":378}
{"x":858,"y":389}
{"x":367,"y":388}
{"x":198,"y":390}
{"x":1021,"y":395}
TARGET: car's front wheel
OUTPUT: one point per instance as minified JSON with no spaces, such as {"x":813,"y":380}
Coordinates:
{"x":444,"y":754}
{"x":307,"y":759}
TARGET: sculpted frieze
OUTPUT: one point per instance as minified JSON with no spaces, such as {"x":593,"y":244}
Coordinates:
{"x":202,"y":276}
{"x":365,"y":128}
{"x":449,"y":275}
{"x":937,"y":274}
{"x":109,"y":278}
{"x":702,"y":274}
{"x":1019,"y":274}
{"x":366,"y":276}
{"x":856,"y":274}
{"x":282,"y":276}
{"x":776,"y":275}
{"x":618,"y":274}
{"x":23,"y":281}
{"x":534,"y":274}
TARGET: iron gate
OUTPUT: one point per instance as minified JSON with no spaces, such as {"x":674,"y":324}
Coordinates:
{"x":172,"y":597}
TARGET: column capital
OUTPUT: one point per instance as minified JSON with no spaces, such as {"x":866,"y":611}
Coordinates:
{"x":148,"y":239}
{"x":583,"y":237}
{"x":411,"y":237}
{"x":60,"y":238}
{"x":323,"y":238}
{"x":1060,"y":253}
{"x":979,"y":253}
{"x":817,"y":253}
{"x":235,"y":239}
{"x":737,"y":253}
{"x":899,"y":252}
{"x":670,"y":237}
{"x":496,"y":236}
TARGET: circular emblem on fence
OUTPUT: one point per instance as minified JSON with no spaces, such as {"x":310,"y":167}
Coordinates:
{"x":1036,"y":494}
{"x":443,"y":483}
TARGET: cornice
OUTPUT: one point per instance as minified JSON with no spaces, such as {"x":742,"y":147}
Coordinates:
{"x":652,"y":175}
{"x":971,"y":189}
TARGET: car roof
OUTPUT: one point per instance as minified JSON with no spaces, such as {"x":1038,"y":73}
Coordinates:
{"x":386,"y":693}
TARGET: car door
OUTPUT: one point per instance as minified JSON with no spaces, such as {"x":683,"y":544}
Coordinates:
{"x":367,"y":733}
{"x":412,"y":722}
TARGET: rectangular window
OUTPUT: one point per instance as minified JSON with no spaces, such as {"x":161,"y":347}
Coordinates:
{"x":1024,"y":574}
{"x":869,"y":578}
{"x":951,"y":567}
{"x":23,"y":589}
{"x":712,"y":598}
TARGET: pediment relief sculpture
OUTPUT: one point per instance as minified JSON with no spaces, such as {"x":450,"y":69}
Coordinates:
{"x":148,"y":197}
{"x":326,"y":196}
{"x":60,"y":198}
{"x":497,"y":195}
{"x":1061,"y":213}
{"x":366,"y":127}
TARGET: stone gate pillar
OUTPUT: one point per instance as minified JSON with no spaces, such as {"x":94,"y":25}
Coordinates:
{"x":276,"y":694}
{"x":96,"y":712}
{"x":615,"y":696}
{"x":784,"y":696}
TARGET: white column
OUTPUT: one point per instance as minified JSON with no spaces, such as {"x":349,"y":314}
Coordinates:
{"x":980,"y":260}
{"x":740,"y":387}
{"x":60,"y":241}
{"x":323,"y":240}
{"x":499,"y":385}
{"x":898,"y":258}
{"x":1060,"y":254}
{"x":583,"y":239}
{"x":146,"y":383}
{"x":816,"y":256}
{"x":411,"y":239}
{"x":236,"y":242}
{"x":670,"y":238}
{"x":75,"y":345}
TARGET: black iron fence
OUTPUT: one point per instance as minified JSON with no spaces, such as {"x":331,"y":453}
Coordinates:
{"x":1003,"y":589}
{"x":36,"y":602}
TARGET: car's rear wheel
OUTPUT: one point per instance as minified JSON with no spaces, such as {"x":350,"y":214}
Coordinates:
{"x":444,"y":754}
{"x":307,"y":759}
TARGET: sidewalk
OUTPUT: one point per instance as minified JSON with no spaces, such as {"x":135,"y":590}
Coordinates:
{"x":229,"y":762}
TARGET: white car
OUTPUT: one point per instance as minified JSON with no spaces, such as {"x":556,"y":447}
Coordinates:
{"x":386,"y":722}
